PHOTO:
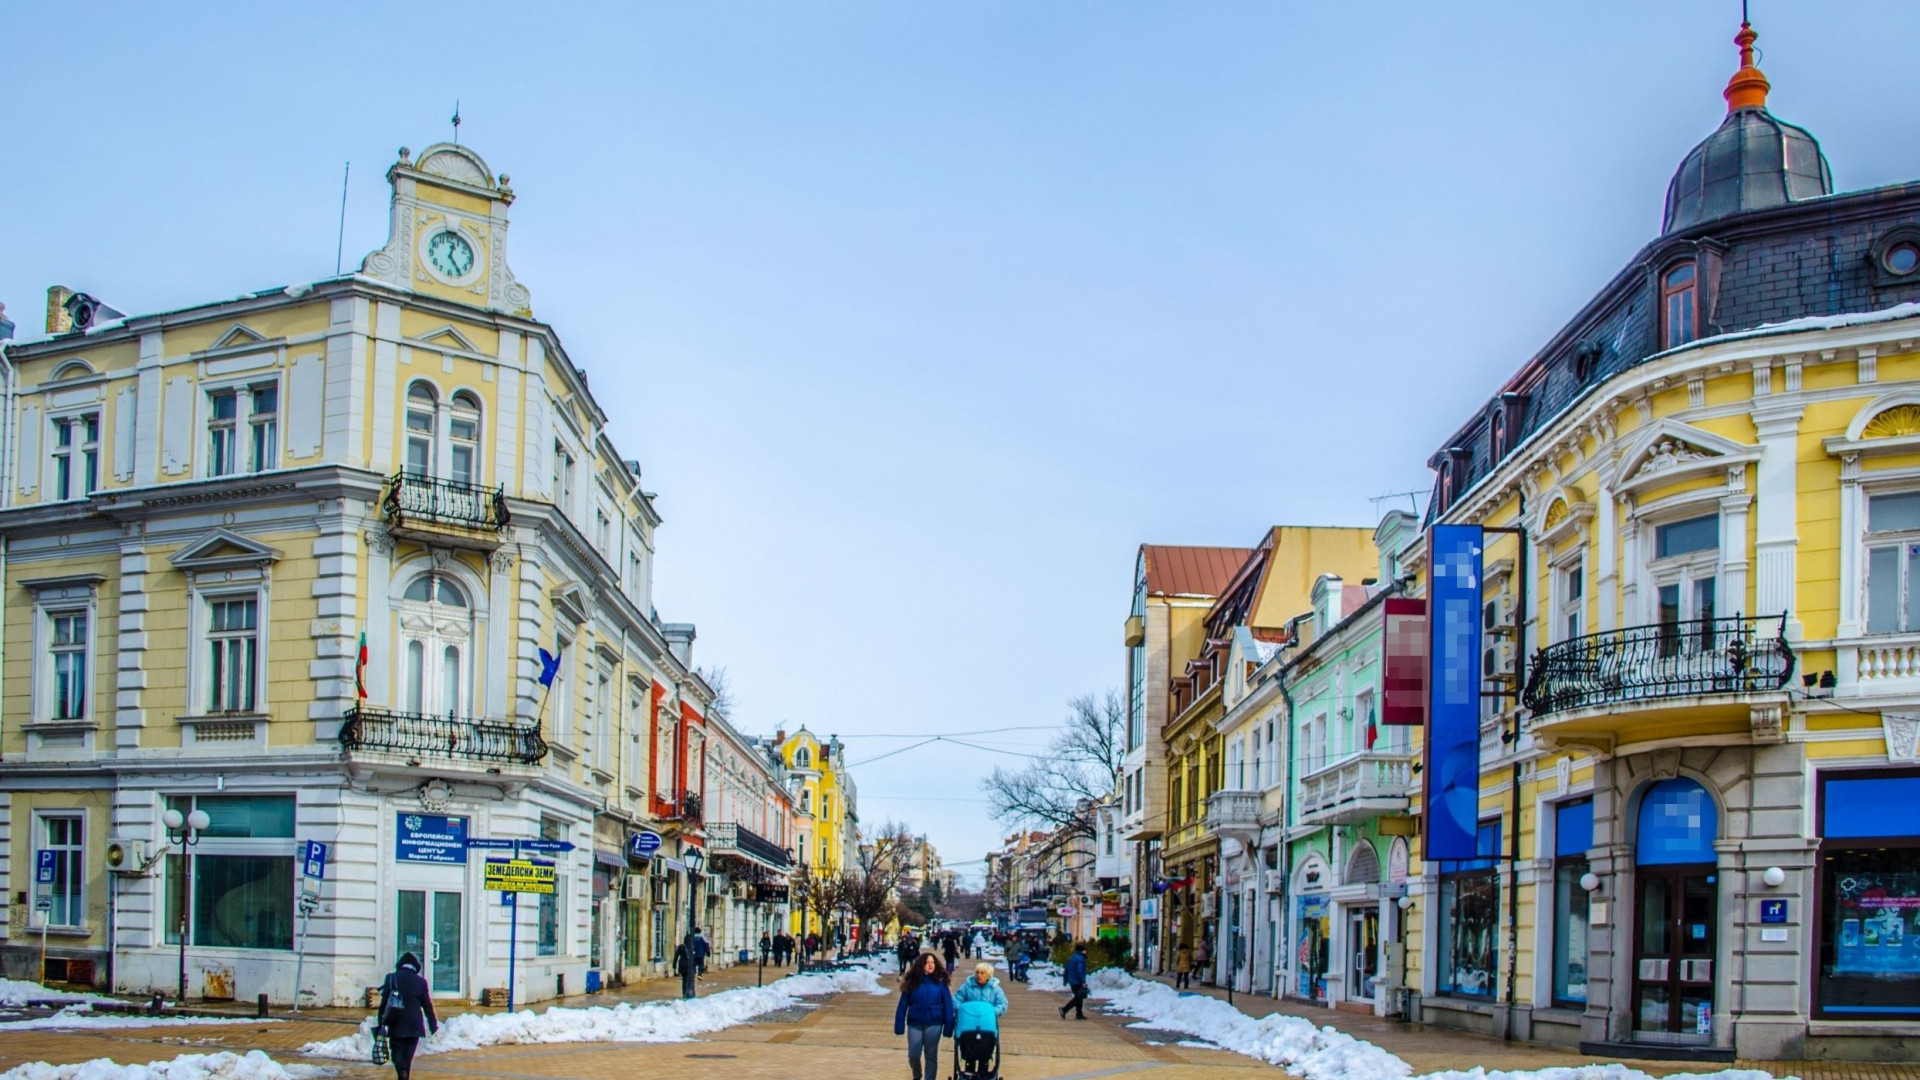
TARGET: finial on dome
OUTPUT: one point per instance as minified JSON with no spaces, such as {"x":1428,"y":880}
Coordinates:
{"x":1748,"y":87}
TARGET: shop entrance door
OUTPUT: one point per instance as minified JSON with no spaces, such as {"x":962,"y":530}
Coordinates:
{"x":1363,"y":952}
{"x":429,"y":927}
{"x":1674,"y":918}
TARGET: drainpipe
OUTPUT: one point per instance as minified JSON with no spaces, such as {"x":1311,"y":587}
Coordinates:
{"x":1521,"y":612}
{"x":1286,"y":838}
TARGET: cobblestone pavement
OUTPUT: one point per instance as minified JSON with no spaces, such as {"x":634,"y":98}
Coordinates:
{"x":850,"y":1037}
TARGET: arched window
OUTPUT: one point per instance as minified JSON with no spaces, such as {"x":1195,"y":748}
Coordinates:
{"x":422,"y":422}
{"x":1679,"y":312}
{"x":463,"y":439}
{"x":436,"y":631}
{"x":1678,"y":824}
{"x":802,"y":758}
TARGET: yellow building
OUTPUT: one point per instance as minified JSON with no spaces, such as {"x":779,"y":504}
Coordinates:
{"x":826,"y":817}
{"x":1705,"y":791}
{"x":208,"y":512}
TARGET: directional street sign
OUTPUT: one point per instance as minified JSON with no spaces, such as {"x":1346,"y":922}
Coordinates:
{"x":546,"y":845}
{"x":520,"y":875}
{"x":489,"y":844}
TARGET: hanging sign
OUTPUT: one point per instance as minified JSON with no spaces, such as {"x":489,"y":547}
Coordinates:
{"x":643,"y":844}
{"x":1452,"y":768}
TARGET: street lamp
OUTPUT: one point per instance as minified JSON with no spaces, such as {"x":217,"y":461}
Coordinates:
{"x":696,"y":862}
{"x":184,"y":830}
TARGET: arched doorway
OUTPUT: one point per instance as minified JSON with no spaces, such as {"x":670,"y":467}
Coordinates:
{"x":1676,"y":909}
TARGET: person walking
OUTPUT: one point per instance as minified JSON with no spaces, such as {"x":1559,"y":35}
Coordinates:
{"x":1182,"y":967}
{"x":1202,"y":957}
{"x":766,"y":949}
{"x":949,"y":949}
{"x":923,"y":1014}
{"x":1076,"y":979}
{"x":700,"y":950}
{"x":406,"y":1011}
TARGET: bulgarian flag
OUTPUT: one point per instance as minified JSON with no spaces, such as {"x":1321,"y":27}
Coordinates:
{"x":360,"y":669}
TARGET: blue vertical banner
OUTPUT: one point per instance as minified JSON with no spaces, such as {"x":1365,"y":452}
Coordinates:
{"x":1454,"y":555}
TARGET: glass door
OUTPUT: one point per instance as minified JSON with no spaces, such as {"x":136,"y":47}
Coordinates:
{"x":1675,"y":918}
{"x":1363,"y":948}
{"x":433,"y":935}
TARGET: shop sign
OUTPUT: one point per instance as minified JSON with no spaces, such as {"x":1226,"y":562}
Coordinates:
{"x":1066,"y":910}
{"x":1773,"y":911}
{"x":430,"y":838}
{"x":1109,"y":910}
{"x":643,"y":844}
{"x":1150,"y":907}
{"x":520,"y":876}
{"x":768,"y":893}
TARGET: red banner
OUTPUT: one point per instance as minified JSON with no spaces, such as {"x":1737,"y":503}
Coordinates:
{"x":1403,"y":696}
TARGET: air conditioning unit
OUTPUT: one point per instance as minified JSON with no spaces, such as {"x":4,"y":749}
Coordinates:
{"x":636,"y":887}
{"x":1272,"y":881}
{"x":659,"y":889}
{"x":1497,"y":663}
{"x":127,"y":856}
{"x":1500,"y":613}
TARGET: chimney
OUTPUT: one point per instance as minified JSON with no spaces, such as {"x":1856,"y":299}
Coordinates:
{"x":58,"y":321}
{"x":679,"y":637}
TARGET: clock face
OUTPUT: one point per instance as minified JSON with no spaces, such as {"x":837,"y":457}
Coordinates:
{"x":450,"y":254}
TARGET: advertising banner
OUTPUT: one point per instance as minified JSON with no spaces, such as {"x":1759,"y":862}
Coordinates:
{"x":1452,"y":769}
{"x":520,"y":875}
{"x":1403,"y":690}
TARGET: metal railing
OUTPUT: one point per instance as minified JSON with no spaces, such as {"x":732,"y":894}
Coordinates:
{"x":413,"y":497}
{"x":1733,"y":655}
{"x":729,"y":838}
{"x":442,"y":736}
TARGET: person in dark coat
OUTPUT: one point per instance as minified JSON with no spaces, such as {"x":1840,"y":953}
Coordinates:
{"x":700,"y":951}
{"x":1076,"y":980}
{"x":766,"y":949}
{"x":406,"y":1009}
{"x":924,"y":1014}
{"x":949,"y":949}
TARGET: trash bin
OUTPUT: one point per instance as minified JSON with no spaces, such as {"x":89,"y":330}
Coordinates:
{"x":593,"y":980}
{"x":745,"y":956}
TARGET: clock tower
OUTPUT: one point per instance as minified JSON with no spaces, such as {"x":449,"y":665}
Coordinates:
{"x":448,"y":232}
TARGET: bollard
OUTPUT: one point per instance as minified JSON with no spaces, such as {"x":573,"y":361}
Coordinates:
{"x":263,"y":1007}
{"x":153,"y":1006}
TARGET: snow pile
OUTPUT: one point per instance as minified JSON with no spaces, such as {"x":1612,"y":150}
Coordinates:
{"x":81,"y":1015}
{"x":16,"y":992}
{"x":652,"y":1021}
{"x":253,"y":1065}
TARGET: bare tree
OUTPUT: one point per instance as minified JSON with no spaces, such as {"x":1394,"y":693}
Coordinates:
{"x":1061,"y":794}
{"x":872,"y":885}
{"x":722,"y":686}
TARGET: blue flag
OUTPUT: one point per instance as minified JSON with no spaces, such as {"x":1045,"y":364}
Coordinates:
{"x":549,"y":666}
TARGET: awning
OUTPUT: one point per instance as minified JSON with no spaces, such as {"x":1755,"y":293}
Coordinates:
{"x":612,"y":860}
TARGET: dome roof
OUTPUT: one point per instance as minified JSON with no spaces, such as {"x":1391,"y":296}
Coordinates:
{"x":1753,"y":161}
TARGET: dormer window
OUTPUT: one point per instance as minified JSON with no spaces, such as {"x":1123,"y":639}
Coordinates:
{"x":1679,"y":310}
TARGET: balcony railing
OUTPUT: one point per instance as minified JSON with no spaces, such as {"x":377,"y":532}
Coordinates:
{"x":1737,"y":655}
{"x":684,"y":807}
{"x":1355,"y":788}
{"x":442,"y":736}
{"x":1235,"y":813}
{"x":730,"y":838}
{"x":412,"y":497}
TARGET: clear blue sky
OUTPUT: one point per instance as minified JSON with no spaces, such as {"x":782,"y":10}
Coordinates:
{"x":922,"y":316}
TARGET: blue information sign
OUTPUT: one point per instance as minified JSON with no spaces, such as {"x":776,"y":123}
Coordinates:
{"x":1453,"y":691}
{"x":1773,"y":911}
{"x":43,"y":867}
{"x":546,"y":845}
{"x":313,"y":859}
{"x":643,"y":844}
{"x":433,"y":838}
{"x":488,"y":843}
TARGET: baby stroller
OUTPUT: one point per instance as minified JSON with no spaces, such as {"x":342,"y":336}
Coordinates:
{"x":976,"y":1042}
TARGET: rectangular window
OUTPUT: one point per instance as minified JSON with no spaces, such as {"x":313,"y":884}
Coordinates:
{"x":64,"y":836}
{"x":1470,"y":918}
{"x":67,"y":641}
{"x":1681,"y":537}
{"x":232,"y":647}
{"x":562,"y":477}
{"x":222,"y":456}
{"x":1869,"y":901}
{"x":1679,"y":314}
{"x":1573,"y":835}
{"x":1573,"y":599}
{"x":76,"y":456}
{"x":240,"y":889}
{"x":1892,"y":562}
{"x":264,"y":421}
{"x":549,"y":939}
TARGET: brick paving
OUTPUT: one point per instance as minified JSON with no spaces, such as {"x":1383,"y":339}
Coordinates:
{"x":850,"y":1037}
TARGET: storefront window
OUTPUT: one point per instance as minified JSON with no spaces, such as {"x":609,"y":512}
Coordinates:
{"x":1469,"y":918}
{"x":1869,"y":895}
{"x":1573,"y":835}
{"x":1310,"y":962}
{"x":240,"y":890}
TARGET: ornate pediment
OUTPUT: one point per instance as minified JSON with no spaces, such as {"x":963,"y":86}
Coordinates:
{"x":223,"y":549}
{"x":1667,"y":450}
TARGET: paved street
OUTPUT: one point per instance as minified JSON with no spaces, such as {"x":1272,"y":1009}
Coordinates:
{"x":848,"y":1037}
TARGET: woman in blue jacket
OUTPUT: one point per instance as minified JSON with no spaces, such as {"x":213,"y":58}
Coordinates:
{"x":925,"y":1013}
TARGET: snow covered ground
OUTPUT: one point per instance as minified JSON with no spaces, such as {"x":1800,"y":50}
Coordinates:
{"x":253,"y":1065}
{"x":81,"y":1015}
{"x":650,"y":1021}
{"x":1298,"y":1045}
{"x":15,"y":992}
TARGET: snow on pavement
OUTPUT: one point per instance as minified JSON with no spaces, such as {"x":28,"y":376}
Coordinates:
{"x":1298,"y":1045}
{"x":81,"y":1015}
{"x":651,"y":1021}
{"x":253,"y":1065}
{"x":16,"y":992}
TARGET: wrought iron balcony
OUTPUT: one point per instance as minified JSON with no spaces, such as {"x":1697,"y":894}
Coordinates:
{"x":731,"y":838}
{"x":1234,"y":813}
{"x":1736,"y":655}
{"x":416,"y":500}
{"x":684,"y":808}
{"x":1355,"y":787}
{"x":441,"y":736}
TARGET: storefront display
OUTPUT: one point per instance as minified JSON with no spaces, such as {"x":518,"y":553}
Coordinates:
{"x":1869,"y":896}
{"x":1470,"y":918}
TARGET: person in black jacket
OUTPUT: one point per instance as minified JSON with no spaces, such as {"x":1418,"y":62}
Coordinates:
{"x":406,"y":1009}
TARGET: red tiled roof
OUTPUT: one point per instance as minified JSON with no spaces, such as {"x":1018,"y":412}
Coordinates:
{"x":1190,"y":571}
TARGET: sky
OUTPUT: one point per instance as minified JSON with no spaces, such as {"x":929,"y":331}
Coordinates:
{"x":922,"y":317}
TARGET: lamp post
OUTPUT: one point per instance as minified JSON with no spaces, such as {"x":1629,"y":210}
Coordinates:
{"x":184,"y":830}
{"x":696,"y":860}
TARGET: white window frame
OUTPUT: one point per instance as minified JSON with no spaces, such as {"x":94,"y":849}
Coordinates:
{"x":1569,"y":596}
{"x":1683,"y":571}
{"x":52,"y":598}
{"x":204,"y":675}
{"x":77,"y":862}
{"x":80,"y":455}
{"x":458,"y":411}
{"x":1900,"y":540}
{"x":436,"y":627}
{"x":263,"y":427}
{"x":239,"y":431}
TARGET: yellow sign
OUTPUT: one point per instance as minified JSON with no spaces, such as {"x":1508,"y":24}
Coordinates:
{"x":520,"y":875}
